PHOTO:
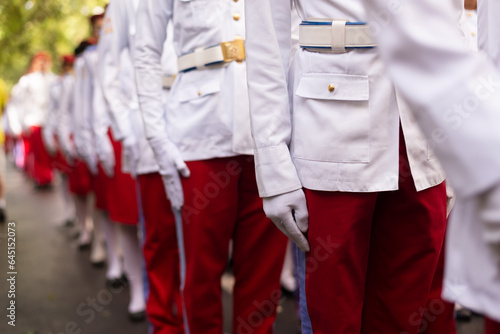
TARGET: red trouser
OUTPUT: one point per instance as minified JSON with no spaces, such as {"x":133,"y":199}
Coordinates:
{"x":39,"y":159}
{"x":100,"y":185}
{"x":80,"y":180}
{"x":373,"y":258}
{"x":122,"y":201}
{"x":161,"y":254}
{"x":25,"y":139}
{"x":438,"y":317}
{"x":222,"y":203}
{"x":491,"y":327}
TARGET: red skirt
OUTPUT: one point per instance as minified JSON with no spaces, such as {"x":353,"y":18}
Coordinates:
{"x":80,"y":180}
{"x":122,"y":195}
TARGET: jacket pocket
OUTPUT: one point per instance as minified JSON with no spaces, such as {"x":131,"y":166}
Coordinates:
{"x":331,"y":118}
{"x":196,"y":85}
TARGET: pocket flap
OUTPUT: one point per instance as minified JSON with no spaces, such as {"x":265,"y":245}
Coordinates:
{"x":192,"y":90}
{"x":328,"y":86}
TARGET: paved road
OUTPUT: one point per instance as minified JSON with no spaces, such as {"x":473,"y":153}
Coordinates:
{"x":55,"y":280}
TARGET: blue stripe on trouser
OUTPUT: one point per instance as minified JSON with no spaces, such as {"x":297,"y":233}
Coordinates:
{"x":182,"y":260}
{"x":142,"y":234}
{"x":304,"y":314}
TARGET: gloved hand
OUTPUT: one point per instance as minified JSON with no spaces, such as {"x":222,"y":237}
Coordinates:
{"x":289,"y":213}
{"x":106,"y":154}
{"x":84,"y":149}
{"x":49,"y":142}
{"x":91,"y":162}
{"x":130,"y":154}
{"x":171,"y":165}
{"x":490,"y":217}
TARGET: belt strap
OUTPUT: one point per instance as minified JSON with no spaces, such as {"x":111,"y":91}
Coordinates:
{"x":201,"y":58}
{"x":168,"y":81}
{"x":335,"y":35}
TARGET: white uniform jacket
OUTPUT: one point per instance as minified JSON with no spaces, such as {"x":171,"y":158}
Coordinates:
{"x":36,"y":89}
{"x":207,"y":114}
{"x":118,"y":80}
{"x":13,"y":111}
{"x":305,"y":135}
{"x":66,"y":124}
{"x":456,"y":99}
{"x":91,"y":134}
{"x":50,"y":128}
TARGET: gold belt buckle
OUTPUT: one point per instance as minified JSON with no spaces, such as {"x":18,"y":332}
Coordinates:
{"x":234,"y":50}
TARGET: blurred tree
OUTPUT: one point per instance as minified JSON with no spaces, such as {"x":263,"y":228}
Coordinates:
{"x":29,"y":26}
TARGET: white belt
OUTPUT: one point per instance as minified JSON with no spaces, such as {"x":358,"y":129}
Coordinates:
{"x":168,"y":81}
{"x":218,"y":54}
{"x":334,"y":35}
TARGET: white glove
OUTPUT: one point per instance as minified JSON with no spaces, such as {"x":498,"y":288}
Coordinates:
{"x":289,"y":213}
{"x":130,"y":154}
{"x":106,"y":154}
{"x":171,"y":165}
{"x":85,"y":151}
{"x":49,"y":141}
{"x":490,"y":216}
{"x":91,"y":162}
{"x":70,"y":154}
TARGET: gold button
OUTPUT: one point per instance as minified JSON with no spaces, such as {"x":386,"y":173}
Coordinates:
{"x":236,"y":16}
{"x":199,"y":93}
{"x":470,"y":14}
{"x":331,"y":88}
{"x":473,"y":34}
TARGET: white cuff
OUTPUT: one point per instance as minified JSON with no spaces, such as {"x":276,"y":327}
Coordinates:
{"x":275,"y":171}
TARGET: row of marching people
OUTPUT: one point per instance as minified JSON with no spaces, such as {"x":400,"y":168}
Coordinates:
{"x":61,"y":123}
{"x":184,"y":127}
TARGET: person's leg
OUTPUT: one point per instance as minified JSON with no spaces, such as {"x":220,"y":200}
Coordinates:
{"x":161,"y":254}
{"x":258,"y":254}
{"x":133,"y":268}
{"x":81,"y":208}
{"x":491,"y":326}
{"x":42,"y":168}
{"x":438,"y":316}
{"x":407,"y":237}
{"x":69,"y":204}
{"x":209,"y":216}
{"x":98,"y":252}
{"x":332,"y":276}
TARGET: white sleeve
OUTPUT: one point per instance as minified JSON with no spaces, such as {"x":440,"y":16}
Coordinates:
{"x":113,"y":40}
{"x":66,"y":111}
{"x":152,"y":19}
{"x":83,"y":133}
{"x":454,"y":94}
{"x":269,"y":45}
{"x":50,"y":126}
{"x":100,"y":121}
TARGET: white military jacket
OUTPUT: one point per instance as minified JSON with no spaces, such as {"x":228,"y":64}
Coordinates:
{"x":118,"y":79}
{"x":36,"y":89}
{"x":305,"y":135}
{"x":207,"y":113}
{"x":93,"y":120}
{"x":66,"y":124}
{"x":456,"y":99}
